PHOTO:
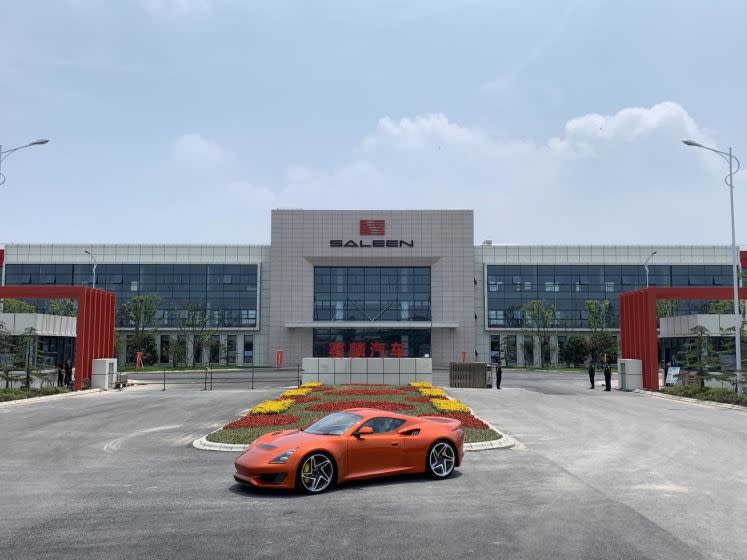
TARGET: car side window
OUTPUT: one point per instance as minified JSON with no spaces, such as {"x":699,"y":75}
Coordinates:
{"x":382,"y":425}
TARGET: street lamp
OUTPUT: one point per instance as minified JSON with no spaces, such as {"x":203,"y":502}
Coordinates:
{"x":93,"y":260}
{"x":645,"y":265}
{"x":6,"y":153}
{"x":729,"y":180}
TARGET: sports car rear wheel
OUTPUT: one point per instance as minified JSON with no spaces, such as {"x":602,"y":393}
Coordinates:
{"x":316,"y":473}
{"x":441,"y":459}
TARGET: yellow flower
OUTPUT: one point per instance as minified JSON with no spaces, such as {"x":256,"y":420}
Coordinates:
{"x":446,"y":405}
{"x":302,"y":392}
{"x":272,"y":407}
{"x":418,"y":384}
{"x":312,"y":384}
{"x":433,"y":392}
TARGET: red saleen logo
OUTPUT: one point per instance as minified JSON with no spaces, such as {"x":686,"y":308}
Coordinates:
{"x":372,"y":227}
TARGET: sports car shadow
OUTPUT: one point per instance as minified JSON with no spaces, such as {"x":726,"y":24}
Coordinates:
{"x":280,"y":493}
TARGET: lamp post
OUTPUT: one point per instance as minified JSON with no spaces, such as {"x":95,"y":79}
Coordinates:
{"x":6,"y":153}
{"x":729,"y":180}
{"x":93,"y":260}
{"x":3,"y":155}
{"x":645,"y":265}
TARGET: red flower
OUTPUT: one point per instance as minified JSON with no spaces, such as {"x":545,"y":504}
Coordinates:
{"x":363,"y":384}
{"x":334,"y":406}
{"x":347,"y":392}
{"x":306,"y":399}
{"x":467,"y":420}
{"x":261,"y":420}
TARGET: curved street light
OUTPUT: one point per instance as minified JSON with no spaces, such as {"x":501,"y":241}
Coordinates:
{"x":95,"y":264}
{"x":645,"y":265}
{"x":6,"y":153}
{"x":729,"y":180}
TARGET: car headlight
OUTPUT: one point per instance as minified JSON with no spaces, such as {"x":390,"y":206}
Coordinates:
{"x":283,"y":458}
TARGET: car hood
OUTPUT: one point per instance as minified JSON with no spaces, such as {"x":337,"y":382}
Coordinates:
{"x":276,"y":443}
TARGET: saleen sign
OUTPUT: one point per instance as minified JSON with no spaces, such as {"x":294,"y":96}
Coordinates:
{"x":372,"y":227}
{"x":372,"y":243}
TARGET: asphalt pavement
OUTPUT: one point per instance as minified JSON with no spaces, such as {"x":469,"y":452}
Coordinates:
{"x":113,"y":475}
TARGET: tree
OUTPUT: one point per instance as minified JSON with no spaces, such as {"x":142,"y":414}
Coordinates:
{"x":194,"y":322}
{"x":64,"y":307}
{"x":698,"y":354}
{"x":537,"y":320}
{"x":7,"y":354}
{"x":724,"y":307}
{"x":601,"y":343}
{"x":574,"y":351}
{"x":17,"y":306}
{"x":27,"y":355}
{"x":666,"y":308}
{"x":139,"y":312}
{"x":178,"y":351}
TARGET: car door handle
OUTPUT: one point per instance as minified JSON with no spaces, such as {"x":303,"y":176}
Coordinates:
{"x":395,"y":443}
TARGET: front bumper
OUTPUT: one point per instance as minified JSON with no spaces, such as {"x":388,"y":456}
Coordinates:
{"x":254,"y":473}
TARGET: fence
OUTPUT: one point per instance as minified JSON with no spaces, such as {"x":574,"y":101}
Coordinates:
{"x":468,"y":374}
{"x":207,"y":378}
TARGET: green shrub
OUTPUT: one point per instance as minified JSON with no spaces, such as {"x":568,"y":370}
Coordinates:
{"x":706,"y":394}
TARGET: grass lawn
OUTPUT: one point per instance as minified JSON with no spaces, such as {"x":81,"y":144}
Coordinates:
{"x":15,"y":394}
{"x":400,"y":399}
{"x":727,"y":396}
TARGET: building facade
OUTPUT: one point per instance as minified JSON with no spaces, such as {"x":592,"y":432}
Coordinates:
{"x":366,"y":284}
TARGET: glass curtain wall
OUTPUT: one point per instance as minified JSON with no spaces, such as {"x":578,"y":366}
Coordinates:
{"x":567,"y":287}
{"x":227,"y":293}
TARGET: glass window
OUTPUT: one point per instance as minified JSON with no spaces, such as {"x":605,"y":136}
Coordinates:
{"x":248,"y":349}
{"x":372,"y":294}
{"x":383,"y":425}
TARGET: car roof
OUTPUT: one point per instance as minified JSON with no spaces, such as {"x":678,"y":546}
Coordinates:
{"x":375,"y":412}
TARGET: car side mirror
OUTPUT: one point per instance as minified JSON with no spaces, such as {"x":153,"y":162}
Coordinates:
{"x":364,"y":431}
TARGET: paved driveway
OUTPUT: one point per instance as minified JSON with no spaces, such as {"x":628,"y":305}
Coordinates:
{"x":113,"y":476}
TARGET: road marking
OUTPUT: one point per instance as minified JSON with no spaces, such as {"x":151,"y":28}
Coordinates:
{"x":115,"y":444}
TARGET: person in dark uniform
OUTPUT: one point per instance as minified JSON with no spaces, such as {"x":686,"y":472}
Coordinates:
{"x":68,"y":373}
{"x":607,"y":377}
{"x":60,"y":376}
{"x":498,"y":375}
{"x":591,"y":376}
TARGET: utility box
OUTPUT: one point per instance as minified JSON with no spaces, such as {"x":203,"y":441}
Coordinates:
{"x":104,"y":373}
{"x":630,"y":374}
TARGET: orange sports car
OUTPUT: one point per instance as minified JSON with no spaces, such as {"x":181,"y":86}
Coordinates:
{"x":353,"y":444}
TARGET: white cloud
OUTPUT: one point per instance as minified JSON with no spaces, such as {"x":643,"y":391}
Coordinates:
{"x":623,"y":178}
{"x":195,"y":150}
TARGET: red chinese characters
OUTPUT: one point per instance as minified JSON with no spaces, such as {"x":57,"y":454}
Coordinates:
{"x":397,"y":350}
{"x":336,"y":349}
{"x":357,"y":349}
{"x":377,"y":350}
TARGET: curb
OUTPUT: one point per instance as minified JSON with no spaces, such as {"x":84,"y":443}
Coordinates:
{"x":50,"y":397}
{"x":690,"y":400}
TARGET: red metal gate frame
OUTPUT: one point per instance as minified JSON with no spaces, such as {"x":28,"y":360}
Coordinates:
{"x":95,"y":321}
{"x":638,"y":336}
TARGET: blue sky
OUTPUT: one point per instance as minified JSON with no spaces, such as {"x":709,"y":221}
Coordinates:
{"x":187,"y":120}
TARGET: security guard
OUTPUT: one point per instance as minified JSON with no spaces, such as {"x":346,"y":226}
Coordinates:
{"x":591,"y":376}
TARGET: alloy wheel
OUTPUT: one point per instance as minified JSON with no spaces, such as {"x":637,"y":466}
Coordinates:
{"x":317,"y":473}
{"x":442,"y":459}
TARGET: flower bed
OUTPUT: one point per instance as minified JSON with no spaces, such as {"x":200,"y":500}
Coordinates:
{"x":334,"y":406}
{"x":446,"y":405}
{"x":419,"y":384}
{"x":261,"y":420}
{"x":301,"y":410}
{"x":302,"y":392}
{"x":273,"y":407}
{"x":349,"y":392}
{"x":432,"y":392}
{"x":311,"y":384}
{"x":467,"y":420}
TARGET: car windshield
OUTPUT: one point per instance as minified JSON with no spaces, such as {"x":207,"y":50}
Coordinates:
{"x":334,"y":424}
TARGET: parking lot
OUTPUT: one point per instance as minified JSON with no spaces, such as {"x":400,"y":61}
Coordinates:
{"x":596,"y":475}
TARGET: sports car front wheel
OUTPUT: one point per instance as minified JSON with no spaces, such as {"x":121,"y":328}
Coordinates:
{"x":315,"y":473}
{"x":441,"y":459}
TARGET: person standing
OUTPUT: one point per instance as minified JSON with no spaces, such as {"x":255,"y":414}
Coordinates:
{"x":68,"y":373}
{"x":591,"y":376}
{"x":607,"y":377}
{"x":666,"y":372}
{"x":498,"y":375}
{"x":60,"y":376}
